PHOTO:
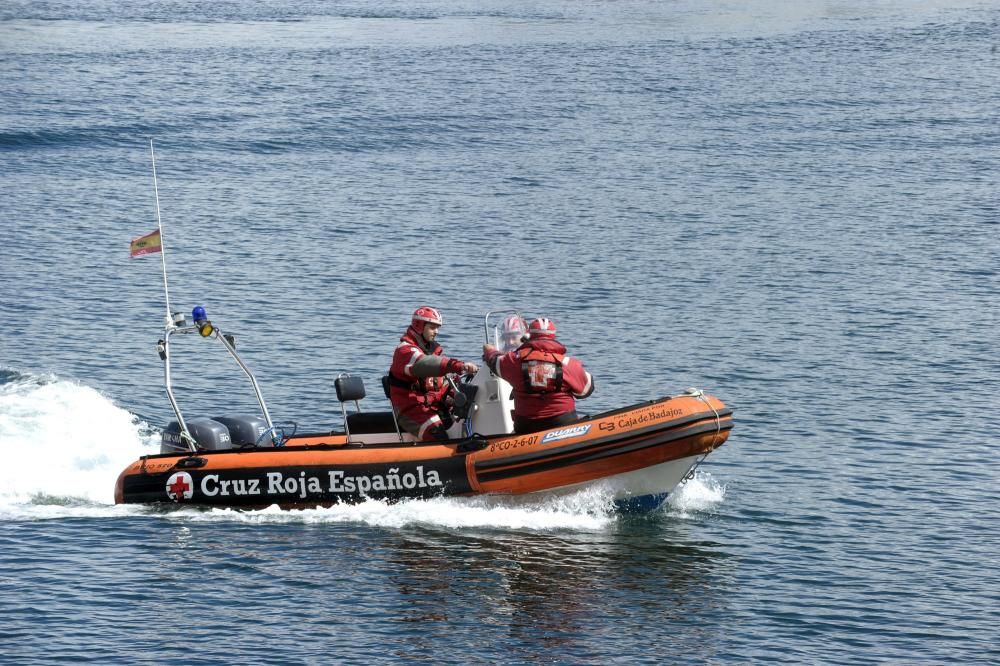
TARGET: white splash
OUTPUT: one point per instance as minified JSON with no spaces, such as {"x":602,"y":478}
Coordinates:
{"x":63,"y":446}
{"x":580,"y":511}
{"x":700,"y":494}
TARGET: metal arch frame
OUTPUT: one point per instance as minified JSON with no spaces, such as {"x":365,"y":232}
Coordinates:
{"x":216,"y":333}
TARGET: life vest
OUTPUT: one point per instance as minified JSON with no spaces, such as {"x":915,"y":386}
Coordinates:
{"x":542,"y":371}
{"x":426,"y":385}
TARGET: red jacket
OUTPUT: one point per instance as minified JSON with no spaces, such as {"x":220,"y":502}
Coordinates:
{"x":546,"y":381}
{"x":416,"y":371}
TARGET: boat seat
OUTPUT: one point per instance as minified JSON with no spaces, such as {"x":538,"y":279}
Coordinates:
{"x":367,"y":423}
{"x":364,"y":423}
{"x":349,"y":388}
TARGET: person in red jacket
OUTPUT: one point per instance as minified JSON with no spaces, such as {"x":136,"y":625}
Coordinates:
{"x":416,"y":390}
{"x":546,"y":381}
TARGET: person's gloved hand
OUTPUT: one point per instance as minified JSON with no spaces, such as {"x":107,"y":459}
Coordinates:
{"x":462,"y":367}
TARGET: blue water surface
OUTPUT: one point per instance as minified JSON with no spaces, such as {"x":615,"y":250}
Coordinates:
{"x":793,"y":208}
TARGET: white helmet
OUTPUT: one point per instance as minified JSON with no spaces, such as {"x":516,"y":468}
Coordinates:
{"x":512,"y":333}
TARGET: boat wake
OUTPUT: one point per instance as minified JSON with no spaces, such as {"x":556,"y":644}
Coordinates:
{"x":64,"y":444}
{"x":61,"y":444}
{"x":590,"y":509}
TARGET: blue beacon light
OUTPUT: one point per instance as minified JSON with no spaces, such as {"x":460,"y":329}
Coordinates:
{"x":201,"y":321}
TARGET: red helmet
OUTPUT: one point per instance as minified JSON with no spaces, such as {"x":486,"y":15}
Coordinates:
{"x":542,"y":328}
{"x":425,"y":314}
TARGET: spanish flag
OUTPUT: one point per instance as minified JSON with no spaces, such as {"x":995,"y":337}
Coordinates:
{"x":147,"y":244}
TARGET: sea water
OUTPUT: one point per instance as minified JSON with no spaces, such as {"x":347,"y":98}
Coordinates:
{"x":793,"y":208}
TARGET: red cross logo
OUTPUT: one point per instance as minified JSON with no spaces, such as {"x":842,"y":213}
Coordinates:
{"x":180,"y":486}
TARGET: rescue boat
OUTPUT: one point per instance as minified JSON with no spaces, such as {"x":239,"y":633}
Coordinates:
{"x":637,"y":454}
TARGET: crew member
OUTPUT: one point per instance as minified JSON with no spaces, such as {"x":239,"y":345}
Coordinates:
{"x":513,"y":332}
{"x":546,"y":381}
{"x":416,"y":390}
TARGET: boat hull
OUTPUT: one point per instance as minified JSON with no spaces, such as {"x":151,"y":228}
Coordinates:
{"x":644,"y":489}
{"x":642,"y":451}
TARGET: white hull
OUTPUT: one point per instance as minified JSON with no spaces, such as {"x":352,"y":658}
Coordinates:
{"x":647,"y":488}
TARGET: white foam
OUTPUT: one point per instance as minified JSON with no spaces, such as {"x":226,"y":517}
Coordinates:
{"x":579,"y":511}
{"x":700,"y":494}
{"x":63,"y":446}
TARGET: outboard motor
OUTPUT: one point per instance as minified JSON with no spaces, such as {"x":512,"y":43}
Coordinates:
{"x":245,"y":431}
{"x":209,"y":434}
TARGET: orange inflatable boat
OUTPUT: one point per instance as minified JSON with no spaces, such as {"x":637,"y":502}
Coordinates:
{"x":636,"y":454}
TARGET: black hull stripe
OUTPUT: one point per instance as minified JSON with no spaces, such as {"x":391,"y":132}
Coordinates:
{"x":627,"y":446}
{"x":592,"y":443}
{"x":305,"y":484}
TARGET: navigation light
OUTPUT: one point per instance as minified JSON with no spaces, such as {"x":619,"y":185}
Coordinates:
{"x":201,"y":321}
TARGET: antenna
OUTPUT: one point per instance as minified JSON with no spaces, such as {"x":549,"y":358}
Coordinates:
{"x":159,"y":226}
